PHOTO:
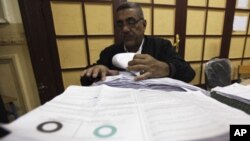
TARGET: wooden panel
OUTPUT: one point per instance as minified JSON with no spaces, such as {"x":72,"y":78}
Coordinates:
{"x":236,"y":47}
{"x":67,"y":18}
{"x":197,"y":2}
{"x":72,"y":53}
{"x":247,"y":48}
{"x":203,"y":74}
{"x":99,"y":18}
{"x":147,"y":16}
{"x":215,"y":28}
{"x":96,"y":46}
{"x":193,"y":50}
{"x":171,"y":2}
{"x":248,"y":32}
{"x":195,"y":22}
{"x":197,"y":69}
{"x":246,"y":62}
{"x":217,"y":3}
{"x":71,"y":78}
{"x":164,"y":21}
{"x":212,"y":48}
{"x":234,"y":65}
{"x":140,"y":1}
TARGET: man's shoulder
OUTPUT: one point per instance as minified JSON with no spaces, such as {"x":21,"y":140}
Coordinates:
{"x":113,"y":48}
{"x":155,"y":39}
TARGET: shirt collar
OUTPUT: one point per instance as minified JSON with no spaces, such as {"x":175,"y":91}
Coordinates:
{"x":139,"y":50}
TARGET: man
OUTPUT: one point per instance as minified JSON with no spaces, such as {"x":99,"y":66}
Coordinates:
{"x":155,"y":57}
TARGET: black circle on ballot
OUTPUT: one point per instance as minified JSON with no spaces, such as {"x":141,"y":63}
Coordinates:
{"x":40,"y":127}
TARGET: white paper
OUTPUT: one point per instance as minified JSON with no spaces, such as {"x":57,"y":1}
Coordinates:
{"x":121,"y":60}
{"x":242,"y":4}
{"x":236,"y":91}
{"x":121,"y":114}
{"x":240,"y":23}
{"x":126,"y":80}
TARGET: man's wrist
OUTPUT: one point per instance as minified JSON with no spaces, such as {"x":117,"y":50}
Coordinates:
{"x":172,"y":70}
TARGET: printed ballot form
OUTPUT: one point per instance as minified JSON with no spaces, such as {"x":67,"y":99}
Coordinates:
{"x":124,"y":114}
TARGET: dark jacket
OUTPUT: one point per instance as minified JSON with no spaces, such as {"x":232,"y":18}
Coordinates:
{"x":158,"y":48}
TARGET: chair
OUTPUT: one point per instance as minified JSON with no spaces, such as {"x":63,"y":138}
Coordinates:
{"x":3,"y":116}
{"x":8,"y":108}
{"x":244,"y":74}
{"x":217,"y":73}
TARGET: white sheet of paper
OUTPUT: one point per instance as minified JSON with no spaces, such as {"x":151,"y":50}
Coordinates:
{"x":102,"y":112}
{"x":238,"y":90}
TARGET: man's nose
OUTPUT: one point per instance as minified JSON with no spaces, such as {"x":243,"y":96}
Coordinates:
{"x":125,"y":28}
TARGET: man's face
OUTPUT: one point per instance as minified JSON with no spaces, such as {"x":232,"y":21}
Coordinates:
{"x":131,"y":27}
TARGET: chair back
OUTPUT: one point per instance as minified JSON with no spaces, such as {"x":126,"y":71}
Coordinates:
{"x":217,"y":73}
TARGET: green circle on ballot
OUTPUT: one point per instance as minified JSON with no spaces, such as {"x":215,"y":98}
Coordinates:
{"x":105,"y":131}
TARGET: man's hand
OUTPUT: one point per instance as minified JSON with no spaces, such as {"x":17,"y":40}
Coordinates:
{"x":148,"y":66}
{"x":98,"y":70}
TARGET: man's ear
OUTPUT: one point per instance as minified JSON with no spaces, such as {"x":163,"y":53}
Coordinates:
{"x":145,"y":23}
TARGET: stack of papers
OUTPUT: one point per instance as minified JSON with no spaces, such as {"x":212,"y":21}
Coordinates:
{"x":235,"y":91}
{"x":235,"y":95}
{"x":126,"y":80}
{"x":123,"y":114}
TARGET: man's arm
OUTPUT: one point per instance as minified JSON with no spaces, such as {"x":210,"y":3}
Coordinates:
{"x":99,"y":70}
{"x":159,"y":59}
{"x":179,"y":68}
{"x":148,"y":66}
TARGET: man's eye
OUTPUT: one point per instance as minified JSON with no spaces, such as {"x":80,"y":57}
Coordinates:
{"x":131,"y":21}
{"x":119,"y":23}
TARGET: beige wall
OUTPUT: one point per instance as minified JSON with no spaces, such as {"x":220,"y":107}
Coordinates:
{"x":17,"y":77}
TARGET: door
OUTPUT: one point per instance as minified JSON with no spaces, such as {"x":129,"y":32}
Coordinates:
{"x":40,"y":38}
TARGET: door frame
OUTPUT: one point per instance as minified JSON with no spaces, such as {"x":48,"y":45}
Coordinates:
{"x":40,"y":36}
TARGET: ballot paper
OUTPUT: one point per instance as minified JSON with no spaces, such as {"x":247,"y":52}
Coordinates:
{"x":124,"y":114}
{"x":126,"y":80}
{"x":121,"y":60}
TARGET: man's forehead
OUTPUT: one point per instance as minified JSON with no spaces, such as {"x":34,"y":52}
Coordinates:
{"x":125,"y":13}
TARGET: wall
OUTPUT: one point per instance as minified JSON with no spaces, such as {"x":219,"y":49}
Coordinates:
{"x":17,"y":77}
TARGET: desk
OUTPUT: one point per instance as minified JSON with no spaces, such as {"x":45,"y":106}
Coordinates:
{"x":245,"y":81}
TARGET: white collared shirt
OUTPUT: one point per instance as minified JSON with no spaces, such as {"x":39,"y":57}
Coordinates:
{"x":139,"y":50}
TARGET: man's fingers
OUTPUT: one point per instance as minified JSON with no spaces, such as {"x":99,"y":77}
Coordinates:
{"x":89,"y":72}
{"x":145,"y":75}
{"x":103,"y":75}
{"x":95,"y":72}
{"x":140,"y":56}
{"x":98,"y":71}
{"x":113,"y":72}
{"x":139,"y":67}
{"x":83,"y":73}
{"x":136,"y":62}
